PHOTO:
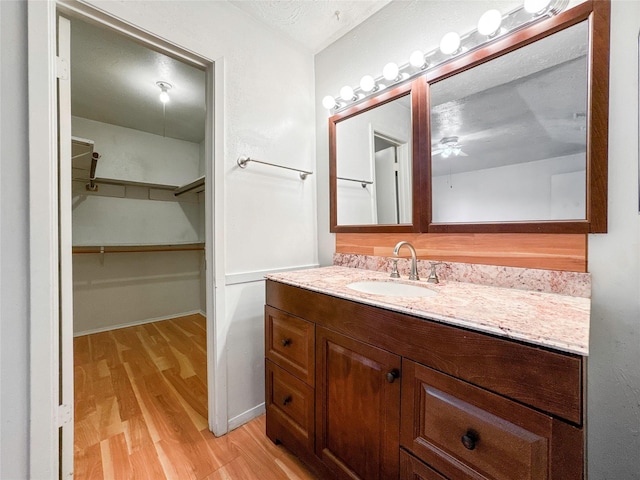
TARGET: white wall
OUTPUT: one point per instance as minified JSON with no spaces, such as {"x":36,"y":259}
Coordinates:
{"x":130,"y":154}
{"x":613,"y":408}
{"x":551,"y":189}
{"x":614,"y":261}
{"x":270,"y":219}
{"x":354,"y":149}
{"x":118,"y":215}
{"x":269,"y":214}
{"x":114,"y":290}
{"x":117,"y":289}
{"x":14,"y":243}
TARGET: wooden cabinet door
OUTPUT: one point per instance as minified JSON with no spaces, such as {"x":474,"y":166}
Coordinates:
{"x":357,"y":407}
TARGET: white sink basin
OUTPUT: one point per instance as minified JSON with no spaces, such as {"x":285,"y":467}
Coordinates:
{"x":392,"y":289}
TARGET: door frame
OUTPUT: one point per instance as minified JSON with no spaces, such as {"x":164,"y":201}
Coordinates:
{"x":44,"y":374}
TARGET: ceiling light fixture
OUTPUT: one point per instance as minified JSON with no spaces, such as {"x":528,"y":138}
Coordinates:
{"x":450,"y":43}
{"x":164,"y":88}
{"x":536,"y":7}
{"x":391,"y":72}
{"x":368,"y":84}
{"x":489,"y":23}
{"x":329,"y":102}
{"x":416,"y":59}
{"x":448,"y":147}
{"x":346,"y":93}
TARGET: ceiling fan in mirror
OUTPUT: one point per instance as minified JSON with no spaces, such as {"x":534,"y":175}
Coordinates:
{"x":448,"y":147}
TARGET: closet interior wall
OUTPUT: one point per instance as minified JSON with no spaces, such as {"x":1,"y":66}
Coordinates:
{"x":160,"y":274}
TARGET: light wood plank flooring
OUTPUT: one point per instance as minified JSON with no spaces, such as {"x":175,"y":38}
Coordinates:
{"x":141,"y":411}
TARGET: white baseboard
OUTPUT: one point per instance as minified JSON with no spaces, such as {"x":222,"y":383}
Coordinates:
{"x":138,"y":322}
{"x":245,"y":417}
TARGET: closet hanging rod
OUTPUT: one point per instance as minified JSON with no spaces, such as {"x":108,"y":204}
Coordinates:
{"x":242,"y":163}
{"x":138,"y":248}
{"x":364,"y":183}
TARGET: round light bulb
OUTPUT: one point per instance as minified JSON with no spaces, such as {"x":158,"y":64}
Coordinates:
{"x":390,"y":71}
{"x":416,"y":59}
{"x":489,"y":22}
{"x":450,"y":43}
{"x":164,"y":97}
{"x":346,"y":93}
{"x":328,"y":102}
{"x":367,"y":83}
{"x":536,"y":6}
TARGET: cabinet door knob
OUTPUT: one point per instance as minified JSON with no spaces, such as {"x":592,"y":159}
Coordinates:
{"x":470,"y":439}
{"x":392,"y":375}
{"x":286,"y":400}
{"x":286,"y":342}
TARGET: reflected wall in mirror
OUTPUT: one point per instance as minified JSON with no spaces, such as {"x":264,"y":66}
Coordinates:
{"x":372,"y":163}
{"x":509,"y":136}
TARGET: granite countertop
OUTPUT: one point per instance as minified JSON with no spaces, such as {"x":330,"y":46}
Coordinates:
{"x":557,"y":321}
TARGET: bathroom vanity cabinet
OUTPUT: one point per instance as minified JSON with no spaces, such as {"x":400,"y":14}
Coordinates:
{"x":359,"y":391}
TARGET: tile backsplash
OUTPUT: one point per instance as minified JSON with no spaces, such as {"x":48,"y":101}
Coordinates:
{"x":548,"y":281}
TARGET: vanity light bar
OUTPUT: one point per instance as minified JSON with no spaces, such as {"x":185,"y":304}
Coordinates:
{"x":452,"y":45}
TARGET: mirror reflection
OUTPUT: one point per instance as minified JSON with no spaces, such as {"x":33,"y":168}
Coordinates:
{"x":373,"y":166}
{"x":508,"y":137}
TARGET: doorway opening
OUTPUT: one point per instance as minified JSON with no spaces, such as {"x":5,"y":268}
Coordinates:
{"x":139,"y":224}
{"x":392,"y":179}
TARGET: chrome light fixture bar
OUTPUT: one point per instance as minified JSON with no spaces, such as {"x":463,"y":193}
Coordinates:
{"x":492,"y":25}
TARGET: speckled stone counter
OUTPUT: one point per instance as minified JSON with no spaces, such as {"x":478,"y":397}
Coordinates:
{"x":548,"y":319}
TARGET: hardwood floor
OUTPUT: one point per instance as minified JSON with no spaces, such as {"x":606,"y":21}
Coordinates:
{"x":141,"y":411}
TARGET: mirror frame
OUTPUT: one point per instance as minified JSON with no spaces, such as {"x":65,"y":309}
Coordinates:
{"x":597,"y":13}
{"x":417,"y":89}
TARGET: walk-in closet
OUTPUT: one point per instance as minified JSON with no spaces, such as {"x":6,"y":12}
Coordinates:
{"x":139,"y":283}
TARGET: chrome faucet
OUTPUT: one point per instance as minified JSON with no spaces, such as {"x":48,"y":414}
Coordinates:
{"x":414,"y":261}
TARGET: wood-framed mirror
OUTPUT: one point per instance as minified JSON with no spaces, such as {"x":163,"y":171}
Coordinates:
{"x":518,"y":131}
{"x":374,"y":162}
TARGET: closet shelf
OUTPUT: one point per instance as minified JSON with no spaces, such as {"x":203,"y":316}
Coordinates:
{"x":137,"y":248}
{"x":132,"y":183}
{"x":84,"y":161}
{"x":195,"y":186}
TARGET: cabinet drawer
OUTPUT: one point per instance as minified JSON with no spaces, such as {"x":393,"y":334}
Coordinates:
{"x":289,"y":342}
{"x":413,"y":469}
{"x":290,"y":408}
{"x":465,"y":432}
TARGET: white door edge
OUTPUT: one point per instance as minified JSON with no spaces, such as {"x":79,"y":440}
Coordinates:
{"x":65,"y":420}
{"x":43,"y":242}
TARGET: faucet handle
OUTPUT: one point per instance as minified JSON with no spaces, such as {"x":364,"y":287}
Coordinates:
{"x":394,"y":268}
{"x":433,"y":276}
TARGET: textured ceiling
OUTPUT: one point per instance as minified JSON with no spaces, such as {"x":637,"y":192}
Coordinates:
{"x":313,"y":24}
{"x":525,"y":106}
{"x":113,"y":80}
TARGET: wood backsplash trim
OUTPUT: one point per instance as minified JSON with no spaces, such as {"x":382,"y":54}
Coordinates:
{"x":567,"y":252}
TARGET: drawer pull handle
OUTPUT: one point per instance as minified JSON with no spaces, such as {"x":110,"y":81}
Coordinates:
{"x":470,"y":439}
{"x":287,"y":400}
{"x":286,"y":342}
{"x":392,"y":375}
